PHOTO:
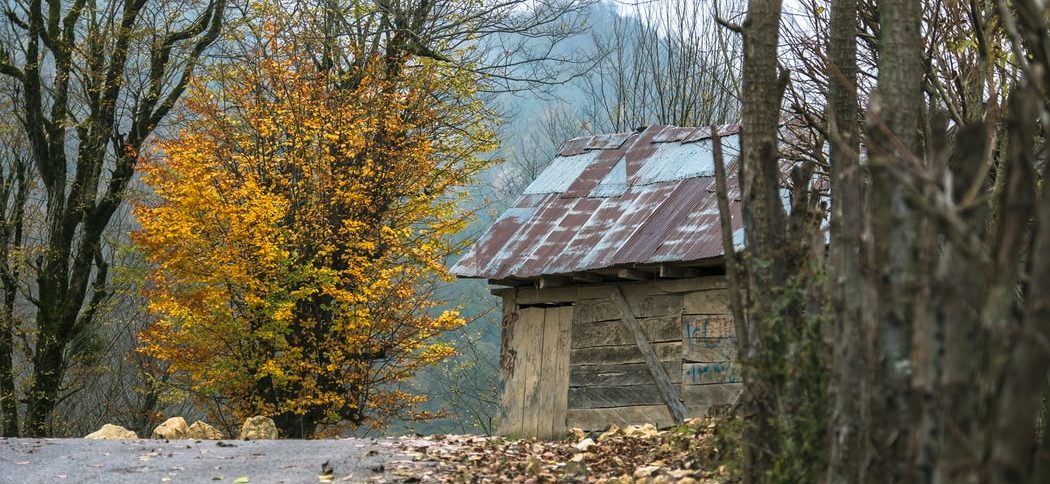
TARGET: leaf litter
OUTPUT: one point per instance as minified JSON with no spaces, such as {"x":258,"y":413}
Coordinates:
{"x":636,"y":454}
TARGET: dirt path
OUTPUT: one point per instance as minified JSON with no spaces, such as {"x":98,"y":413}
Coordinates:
{"x":177,"y":461}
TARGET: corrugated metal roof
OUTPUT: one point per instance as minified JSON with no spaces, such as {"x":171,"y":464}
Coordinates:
{"x":613,"y":200}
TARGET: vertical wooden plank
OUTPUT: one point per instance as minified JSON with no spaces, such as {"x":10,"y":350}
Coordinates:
{"x":545,"y":387}
{"x":560,"y":379}
{"x":530,"y":354}
{"x":511,"y":403}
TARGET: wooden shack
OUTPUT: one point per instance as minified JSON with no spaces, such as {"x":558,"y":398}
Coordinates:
{"x":611,"y":274}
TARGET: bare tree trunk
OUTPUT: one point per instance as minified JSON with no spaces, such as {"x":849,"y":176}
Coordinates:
{"x":764,"y":223}
{"x":893,"y":125}
{"x":12,"y":209}
{"x":849,"y":386}
{"x":1013,"y":455}
{"x":72,"y":77}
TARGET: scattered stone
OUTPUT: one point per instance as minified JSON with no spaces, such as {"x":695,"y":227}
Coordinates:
{"x":258,"y":428}
{"x":648,"y":430}
{"x":112,"y":432}
{"x":585,"y":444}
{"x":576,"y":466}
{"x":645,"y":471}
{"x":680,"y":474}
{"x":173,"y":428}
{"x":613,"y":431}
{"x":202,"y":431}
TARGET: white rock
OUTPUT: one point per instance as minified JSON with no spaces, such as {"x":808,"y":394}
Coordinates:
{"x":585,"y":444}
{"x":111,"y":432}
{"x":645,"y":471}
{"x":645,"y":431}
{"x":202,"y":431}
{"x":258,"y":428}
{"x":173,"y":428}
{"x":613,"y":431}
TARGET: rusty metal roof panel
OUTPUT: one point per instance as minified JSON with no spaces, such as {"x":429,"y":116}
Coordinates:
{"x":583,"y":144}
{"x":612,"y":201}
{"x":615,"y":182}
{"x":678,"y":162}
{"x":561,"y":173}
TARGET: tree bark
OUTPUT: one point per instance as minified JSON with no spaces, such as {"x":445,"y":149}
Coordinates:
{"x":849,"y":385}
{"x":114,"y":126}
{"x":1013,"y":455}
{"x":894,"y":147}
{"x":764,"y":220}
{"x":13,"y":202}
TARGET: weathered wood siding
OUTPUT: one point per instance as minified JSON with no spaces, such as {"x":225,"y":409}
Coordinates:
{"x":534,"y":364}
{"x":710,"y":380}
{"x":689,"y":327}
{"x":579,"y":366}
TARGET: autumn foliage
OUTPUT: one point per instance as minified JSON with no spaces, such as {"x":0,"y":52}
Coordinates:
{"x":299,"y":219}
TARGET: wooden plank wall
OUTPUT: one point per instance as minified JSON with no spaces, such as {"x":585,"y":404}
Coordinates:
{"x":534,"y":365}
{"x":609,"y":381}
{"x":710,"y":381}
{"x":692,"y":334}
{"x":513,"y":347}
{"x":548,"y":410}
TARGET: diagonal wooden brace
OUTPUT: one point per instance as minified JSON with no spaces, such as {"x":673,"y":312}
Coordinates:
{"x":663,"y":382}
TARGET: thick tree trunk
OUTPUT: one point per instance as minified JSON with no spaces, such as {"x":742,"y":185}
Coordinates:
{"x":298,"y":426}
{"x":8,"y":404}
{"x":849,"y":382}
{"x":48,"y":366}
{"x":764,"y":223}
{"x":1013,"y":455}
{"x":893,"y":124}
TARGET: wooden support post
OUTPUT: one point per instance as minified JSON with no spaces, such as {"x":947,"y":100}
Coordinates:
{"x":656,"y":368}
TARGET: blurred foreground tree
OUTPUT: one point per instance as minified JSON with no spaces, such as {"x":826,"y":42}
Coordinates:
{"x":929,"y":316}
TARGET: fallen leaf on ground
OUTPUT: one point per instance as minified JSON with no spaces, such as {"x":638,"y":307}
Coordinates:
{"x":683,"y":455}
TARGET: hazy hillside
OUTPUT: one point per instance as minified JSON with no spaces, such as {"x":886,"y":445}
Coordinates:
{"x":466,"y":385}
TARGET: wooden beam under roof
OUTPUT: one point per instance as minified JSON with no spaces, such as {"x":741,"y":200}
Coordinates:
{"x":634,"y":275}
{"x":509,"y":282}
{"x":549,"y":281}
{"x":589,"y":277}
{"x":678,"y":272}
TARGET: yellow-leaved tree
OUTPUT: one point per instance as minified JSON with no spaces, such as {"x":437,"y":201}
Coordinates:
{"x":299,"y":219}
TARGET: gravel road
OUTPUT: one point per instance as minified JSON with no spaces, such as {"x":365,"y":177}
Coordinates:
{"x":177,"y":461}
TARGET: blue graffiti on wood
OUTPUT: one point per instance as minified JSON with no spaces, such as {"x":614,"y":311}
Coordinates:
{"x":708,"y":327}
{"x":702,"y":373}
